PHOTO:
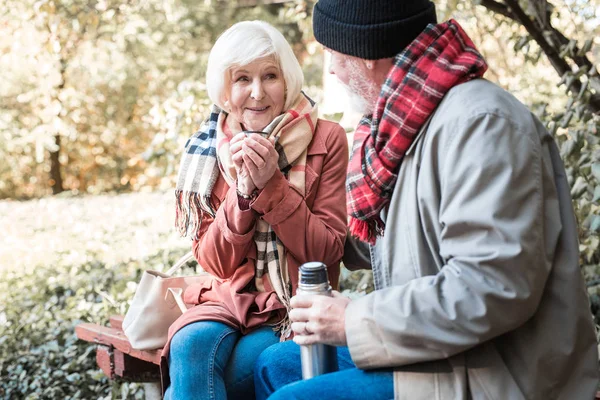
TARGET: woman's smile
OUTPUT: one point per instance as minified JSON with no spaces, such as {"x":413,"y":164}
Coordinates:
{"x":257,"y":110}
{"x":257,"y":93}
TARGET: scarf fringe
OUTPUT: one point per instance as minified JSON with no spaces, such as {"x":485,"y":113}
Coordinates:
{"x":368,"y":230}
{"x":284,"y":327}
{"x":188,"y":213}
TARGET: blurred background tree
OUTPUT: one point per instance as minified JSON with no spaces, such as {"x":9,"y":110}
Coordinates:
{"x":97,"y":96}
{"x":81,"y":78}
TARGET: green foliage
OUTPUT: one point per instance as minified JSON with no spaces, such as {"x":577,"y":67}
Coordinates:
{"x":67,"y":260}
{"x":354,"y":284}
{"x":40,"y":357}
{"x":577,"y":132}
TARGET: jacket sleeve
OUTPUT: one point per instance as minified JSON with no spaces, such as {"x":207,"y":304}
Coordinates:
{"x":315,"y":234}
{"x":492,"y":245}
{"x":225,"y":241}
{"x":356,"y":254}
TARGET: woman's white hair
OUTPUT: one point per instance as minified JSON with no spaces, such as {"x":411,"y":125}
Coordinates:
{"x":240,"y":45}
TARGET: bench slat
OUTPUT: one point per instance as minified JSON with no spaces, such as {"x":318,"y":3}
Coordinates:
{"x":116,"y":321}
{"x":116,"y":338}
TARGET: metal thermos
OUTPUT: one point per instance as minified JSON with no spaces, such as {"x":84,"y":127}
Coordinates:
{"x":316,"y":359}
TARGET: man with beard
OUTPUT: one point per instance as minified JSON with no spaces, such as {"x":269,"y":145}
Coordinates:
{"x":459,"y":204}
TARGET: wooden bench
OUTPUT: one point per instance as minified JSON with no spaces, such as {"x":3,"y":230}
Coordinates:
{"x":115,"y":356}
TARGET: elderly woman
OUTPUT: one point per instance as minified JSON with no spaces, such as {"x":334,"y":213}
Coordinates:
{"x":260,"y":191}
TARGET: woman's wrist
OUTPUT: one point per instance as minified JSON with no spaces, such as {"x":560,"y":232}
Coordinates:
{"x":243,"y":189}
{"x":245,"y":195}
{"x":248,"y":196}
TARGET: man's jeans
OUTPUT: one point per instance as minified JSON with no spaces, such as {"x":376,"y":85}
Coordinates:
{"x":278,"y":374}
{"x":210,"y":360}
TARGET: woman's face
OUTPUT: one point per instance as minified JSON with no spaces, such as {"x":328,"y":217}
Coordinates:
{"x":257,"y":93}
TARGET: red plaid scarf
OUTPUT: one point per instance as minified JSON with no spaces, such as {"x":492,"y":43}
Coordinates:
{"x":443,"y":56}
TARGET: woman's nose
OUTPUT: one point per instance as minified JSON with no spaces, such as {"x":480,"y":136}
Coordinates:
{"x":257,"y":91}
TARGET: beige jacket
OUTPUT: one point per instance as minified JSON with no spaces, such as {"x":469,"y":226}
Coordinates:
{"x":478,"y":289}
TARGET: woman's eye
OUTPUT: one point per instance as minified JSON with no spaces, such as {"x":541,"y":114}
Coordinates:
{"x":271,"y":76}
{"x":242,"y":79}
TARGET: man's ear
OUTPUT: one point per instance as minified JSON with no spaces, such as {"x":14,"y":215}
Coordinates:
{"x":370,"y":64}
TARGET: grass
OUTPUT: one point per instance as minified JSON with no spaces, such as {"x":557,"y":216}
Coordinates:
{"x":108,"y":229}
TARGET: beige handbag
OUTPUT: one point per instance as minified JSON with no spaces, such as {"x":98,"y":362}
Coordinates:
{"x":157,"y":303}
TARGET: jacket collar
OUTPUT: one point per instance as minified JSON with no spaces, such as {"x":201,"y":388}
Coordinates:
{"x":317,"y":145}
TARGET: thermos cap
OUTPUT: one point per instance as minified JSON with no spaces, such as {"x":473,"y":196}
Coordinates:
{"x":313,"y":273}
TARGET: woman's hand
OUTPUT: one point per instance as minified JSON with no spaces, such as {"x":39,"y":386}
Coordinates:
{"x":235,"y":149}
{"x":244,"y":181}
{"x":260,"y":159}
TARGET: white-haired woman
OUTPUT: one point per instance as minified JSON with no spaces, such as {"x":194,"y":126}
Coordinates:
{"x":260,"y":192}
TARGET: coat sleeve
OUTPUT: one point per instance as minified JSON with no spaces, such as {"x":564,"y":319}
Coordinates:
{"x":356,"y":254}
{"x":315,"y":234}
{"x":226,"y":240}
{"x":492,"y":245}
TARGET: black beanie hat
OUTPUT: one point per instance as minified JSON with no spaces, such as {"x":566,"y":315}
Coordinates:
{"x":371,"y":29}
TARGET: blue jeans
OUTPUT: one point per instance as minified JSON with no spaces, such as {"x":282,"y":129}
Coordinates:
{"x":210,"y":360}
{"x":278,"y":376}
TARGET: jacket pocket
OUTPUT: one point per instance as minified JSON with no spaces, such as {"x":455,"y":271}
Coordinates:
{"x":489,"y":377}
{"x":434,"y":380}
{"x":311,"y":184}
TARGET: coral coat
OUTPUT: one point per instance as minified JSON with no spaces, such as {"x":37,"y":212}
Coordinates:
{"x":312,"y":228}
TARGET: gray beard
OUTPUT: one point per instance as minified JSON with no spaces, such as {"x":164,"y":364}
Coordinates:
{"x":358,"y":103}
{"x":362,"y":95}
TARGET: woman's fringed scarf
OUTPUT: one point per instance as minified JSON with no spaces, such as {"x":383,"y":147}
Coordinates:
{"x":441,"y":57}
{"x":206,"y":155}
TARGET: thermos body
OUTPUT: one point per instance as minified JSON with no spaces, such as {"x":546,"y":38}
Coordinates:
{"x":316,"y":359}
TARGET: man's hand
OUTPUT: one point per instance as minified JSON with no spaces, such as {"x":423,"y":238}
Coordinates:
{"x":319,"y":319}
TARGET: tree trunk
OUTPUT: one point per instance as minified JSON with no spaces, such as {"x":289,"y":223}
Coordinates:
{"x":56,"y":181}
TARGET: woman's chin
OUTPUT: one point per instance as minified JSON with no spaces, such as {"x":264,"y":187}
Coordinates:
{"x":255,"y":125}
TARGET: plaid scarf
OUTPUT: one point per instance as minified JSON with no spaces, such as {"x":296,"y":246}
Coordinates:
{"x":441,"y":57}
{"x":207,"y":155}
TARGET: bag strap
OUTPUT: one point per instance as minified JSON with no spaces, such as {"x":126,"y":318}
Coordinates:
{"x":180,"y":263}
{"x":177,"y":294}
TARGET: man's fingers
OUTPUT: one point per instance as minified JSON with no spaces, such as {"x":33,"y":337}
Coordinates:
{"x":303,"y":340}
{"x":302,"y":328}
{"x":302,"y":300}
{"x":299,"y":315}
